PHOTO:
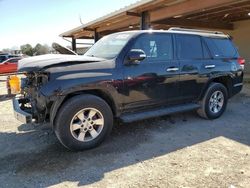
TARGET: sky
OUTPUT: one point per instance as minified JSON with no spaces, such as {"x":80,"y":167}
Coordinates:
{"x":33,"y":21}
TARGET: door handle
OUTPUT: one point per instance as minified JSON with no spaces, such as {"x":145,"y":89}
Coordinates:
{"x":173,"y":69}
{"x":210,"y":66}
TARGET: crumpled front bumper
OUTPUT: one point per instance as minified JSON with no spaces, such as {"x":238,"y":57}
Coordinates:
{"x":20,"y":114}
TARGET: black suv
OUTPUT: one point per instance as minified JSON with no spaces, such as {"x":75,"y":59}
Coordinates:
{"x":129,"y":76}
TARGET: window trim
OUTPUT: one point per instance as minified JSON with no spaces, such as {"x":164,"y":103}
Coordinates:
{"x":204,"y":44}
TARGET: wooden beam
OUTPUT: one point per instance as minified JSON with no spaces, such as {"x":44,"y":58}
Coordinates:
{"x":230,"y":15}
{"x":84,"y":34}
{"x":88,"y":29}
{"x":133,"y":14}
{"x":189,"y":6}
{"x":238,"y":17}
{"x":121,"y":24}
{"x":228,"y":7}
{"x":222,"y":13}
{"x":194,"y":23}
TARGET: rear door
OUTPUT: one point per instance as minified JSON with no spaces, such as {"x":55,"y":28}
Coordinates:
{"x":154,"y":81}
{"x":193,"y":56}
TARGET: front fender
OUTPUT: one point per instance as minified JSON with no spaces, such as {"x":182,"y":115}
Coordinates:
{"x":56,"y":91}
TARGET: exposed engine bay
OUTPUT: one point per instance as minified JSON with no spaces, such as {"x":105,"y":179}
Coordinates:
{"x":33,"y":101}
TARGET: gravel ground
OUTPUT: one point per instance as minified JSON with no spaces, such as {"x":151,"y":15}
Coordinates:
{"x":172,"y":151}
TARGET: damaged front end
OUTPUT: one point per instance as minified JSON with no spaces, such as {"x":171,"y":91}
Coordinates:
{"x":31,"y":105}
{"x":39,"y":89}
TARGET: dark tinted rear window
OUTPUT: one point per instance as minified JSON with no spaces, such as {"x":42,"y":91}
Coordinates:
{"x":189,"y":47}
{"x":221,"y":48}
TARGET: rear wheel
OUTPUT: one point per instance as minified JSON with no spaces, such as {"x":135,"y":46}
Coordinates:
{"x":214,"y":101}
{"x":83,"y":122}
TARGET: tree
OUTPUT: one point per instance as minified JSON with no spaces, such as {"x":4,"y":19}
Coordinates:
{"x":27,"y":49}
{"x":40,"y":49}
{"x":6,"y":50}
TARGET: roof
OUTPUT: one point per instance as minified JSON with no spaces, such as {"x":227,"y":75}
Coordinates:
{"x":115,"y":13}
{"x":217,"y":14}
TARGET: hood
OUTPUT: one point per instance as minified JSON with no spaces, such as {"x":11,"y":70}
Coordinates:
{"x":39,"y":62}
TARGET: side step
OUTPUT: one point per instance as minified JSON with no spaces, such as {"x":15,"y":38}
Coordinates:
{"x":127,"y":118}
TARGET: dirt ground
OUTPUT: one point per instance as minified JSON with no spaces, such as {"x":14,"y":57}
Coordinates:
{"x":172,"y":151}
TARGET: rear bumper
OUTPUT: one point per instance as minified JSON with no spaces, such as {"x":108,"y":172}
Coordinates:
{"x":20,"y":114}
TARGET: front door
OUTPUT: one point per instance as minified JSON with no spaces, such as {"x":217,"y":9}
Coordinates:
{"x":154,"y":81}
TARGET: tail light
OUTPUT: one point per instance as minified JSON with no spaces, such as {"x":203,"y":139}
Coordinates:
{"x":241,"y":62}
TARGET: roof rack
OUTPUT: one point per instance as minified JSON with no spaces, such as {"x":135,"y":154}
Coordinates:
{"x":195,"y":30}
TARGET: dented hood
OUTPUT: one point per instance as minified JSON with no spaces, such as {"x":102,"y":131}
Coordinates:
{"x":37,"y":63}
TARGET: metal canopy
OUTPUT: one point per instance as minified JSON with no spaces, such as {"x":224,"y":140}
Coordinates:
{"x":162,"y":14}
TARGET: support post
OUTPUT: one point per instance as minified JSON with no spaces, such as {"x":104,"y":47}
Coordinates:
{"x":145,"y":21}
{"x":96,"y":35}
{"x":74,"y":44}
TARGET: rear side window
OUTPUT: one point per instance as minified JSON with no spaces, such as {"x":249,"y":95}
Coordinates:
{"x":221,"y":47}
{"x":189,"y":47}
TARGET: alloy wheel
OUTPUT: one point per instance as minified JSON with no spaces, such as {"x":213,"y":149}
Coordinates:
{"x":216,"y":102}
{"x":87,"y":124}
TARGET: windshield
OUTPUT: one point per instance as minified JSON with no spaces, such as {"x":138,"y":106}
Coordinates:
{"x":109,"y":46}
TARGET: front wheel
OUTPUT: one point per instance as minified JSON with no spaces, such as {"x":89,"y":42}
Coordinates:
{"x":214,"y":101}
{"x":83,"y":122}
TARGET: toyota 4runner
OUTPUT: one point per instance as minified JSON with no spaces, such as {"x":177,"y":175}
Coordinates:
{"x":129,"y":76}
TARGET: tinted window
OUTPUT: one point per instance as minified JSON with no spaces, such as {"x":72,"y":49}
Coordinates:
{"x":157,"y":47}
{"x":189,"y":47}
{"x":221,"y":47}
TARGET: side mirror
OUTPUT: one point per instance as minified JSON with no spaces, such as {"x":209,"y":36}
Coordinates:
{"x":136,"y":55}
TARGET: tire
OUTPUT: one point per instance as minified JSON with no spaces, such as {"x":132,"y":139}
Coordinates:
{"x":210,"y":103}
{"x":83,"y":122}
